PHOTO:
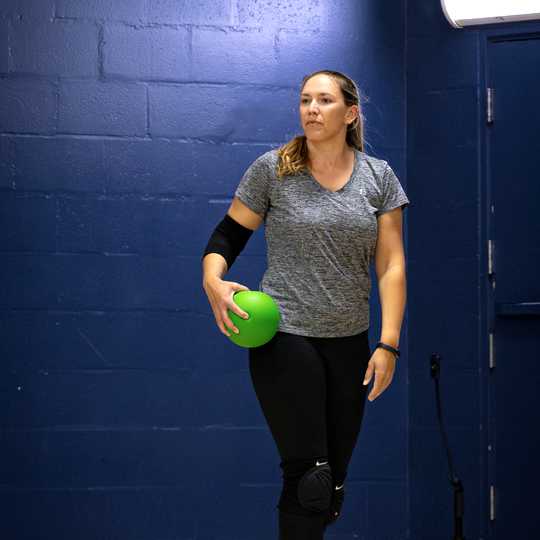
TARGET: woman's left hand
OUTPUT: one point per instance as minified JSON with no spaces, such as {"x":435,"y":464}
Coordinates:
{"x":383,"y":363}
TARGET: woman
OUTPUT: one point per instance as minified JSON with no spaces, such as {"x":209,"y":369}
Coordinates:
{"x":329,"y":209}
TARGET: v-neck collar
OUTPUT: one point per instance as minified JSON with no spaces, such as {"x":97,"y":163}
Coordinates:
{"x":347,"y":183}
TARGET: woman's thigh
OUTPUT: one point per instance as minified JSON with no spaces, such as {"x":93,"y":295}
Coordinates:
{"x":288,"y":376}
{"x":345,"y":361}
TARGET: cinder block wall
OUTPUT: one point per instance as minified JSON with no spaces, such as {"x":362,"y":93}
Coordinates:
{"x":444,"y":264}
{"x":124,"y":130}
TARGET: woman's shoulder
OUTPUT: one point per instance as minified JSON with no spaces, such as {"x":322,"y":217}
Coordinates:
{"x":267,"y":160}
{"x":372,"y":161}
{"x":373,"y":167}
{"x":270,"y":156}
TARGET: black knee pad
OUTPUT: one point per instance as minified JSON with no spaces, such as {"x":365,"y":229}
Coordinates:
{"x":315,"y":488}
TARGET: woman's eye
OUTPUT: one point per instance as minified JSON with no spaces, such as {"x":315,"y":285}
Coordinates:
{"x":325,"y":100}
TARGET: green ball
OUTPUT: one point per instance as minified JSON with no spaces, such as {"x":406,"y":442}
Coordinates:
{"x":263,"y":320}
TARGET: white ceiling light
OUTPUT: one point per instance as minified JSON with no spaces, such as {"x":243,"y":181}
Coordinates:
{"x":462,"y":13}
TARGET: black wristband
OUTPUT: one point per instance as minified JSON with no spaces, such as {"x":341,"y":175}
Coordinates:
{"x":387,"y":347}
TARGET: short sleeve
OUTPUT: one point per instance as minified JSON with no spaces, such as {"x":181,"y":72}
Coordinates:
{"x":392,"y":194}
{"x":254,"y":187}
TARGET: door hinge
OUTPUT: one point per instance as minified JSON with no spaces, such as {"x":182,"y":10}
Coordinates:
{"x":491,"y":351}
{"x":491,"y":257}
{"x":492,"y":502}
{"x":490,"y":96}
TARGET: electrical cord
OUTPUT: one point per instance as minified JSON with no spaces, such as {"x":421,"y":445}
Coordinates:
{"x":455,"y":482}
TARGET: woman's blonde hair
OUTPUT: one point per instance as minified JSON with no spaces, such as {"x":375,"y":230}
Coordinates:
{"x":293,"y":154}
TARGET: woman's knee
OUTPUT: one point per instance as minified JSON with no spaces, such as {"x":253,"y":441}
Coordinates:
{"x":307,"y":486}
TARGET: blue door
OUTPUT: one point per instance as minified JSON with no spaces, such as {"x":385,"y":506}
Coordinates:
{"x":513,"y":182}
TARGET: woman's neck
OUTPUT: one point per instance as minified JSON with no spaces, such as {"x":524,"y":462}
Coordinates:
{"x":328,"y":157}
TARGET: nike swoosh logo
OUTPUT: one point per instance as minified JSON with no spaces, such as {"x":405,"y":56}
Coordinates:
{"x":322,"y":463}
{"x":340,"y":486}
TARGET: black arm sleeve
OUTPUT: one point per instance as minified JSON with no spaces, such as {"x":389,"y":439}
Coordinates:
{"x":228,"y":239}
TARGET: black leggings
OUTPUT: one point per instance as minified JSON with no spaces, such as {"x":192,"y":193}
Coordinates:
{"x":311,"y":393}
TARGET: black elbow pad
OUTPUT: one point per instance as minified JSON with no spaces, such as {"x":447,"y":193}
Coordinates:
{"x":228,"y":239}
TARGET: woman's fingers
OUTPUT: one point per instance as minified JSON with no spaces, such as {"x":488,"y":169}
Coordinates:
{"x":222,"y":320}
{"x":236,"y":310}
{"x":242,"y":314}
{"x":369,"y":373}
{"x":381,"y":365}
{"x":229,"y":323}
{"x":224,"y":330}
{"x":234,"y":307}
{"x":221,"y":324}
{"x":380,"y":385}
{"x":221,"y":299}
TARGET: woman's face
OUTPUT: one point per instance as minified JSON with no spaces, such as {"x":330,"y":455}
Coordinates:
{"x":321,"y":101}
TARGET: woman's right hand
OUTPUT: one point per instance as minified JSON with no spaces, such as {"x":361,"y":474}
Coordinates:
{"x":220,"y":295}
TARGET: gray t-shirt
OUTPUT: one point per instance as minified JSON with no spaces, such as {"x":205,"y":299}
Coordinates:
{"x":320,"y":243}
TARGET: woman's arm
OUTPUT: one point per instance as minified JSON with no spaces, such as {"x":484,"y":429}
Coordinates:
{"x":391,"y":275}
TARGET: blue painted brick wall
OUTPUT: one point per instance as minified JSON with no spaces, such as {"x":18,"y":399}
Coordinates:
{"x":444,"y":312}
{"x":124,"y":129}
